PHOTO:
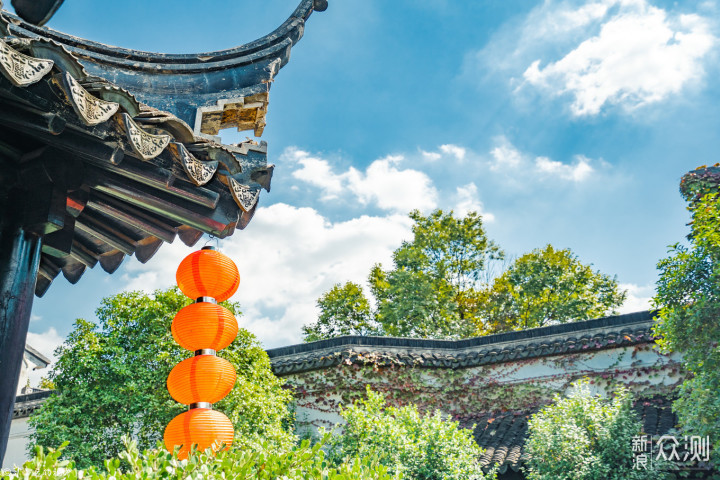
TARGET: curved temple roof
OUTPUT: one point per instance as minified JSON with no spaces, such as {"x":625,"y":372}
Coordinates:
{"x":97,"y":145}
{"x":209,"y":91}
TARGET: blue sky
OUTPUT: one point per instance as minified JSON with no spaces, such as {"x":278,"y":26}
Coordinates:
{"x":563,"y":122}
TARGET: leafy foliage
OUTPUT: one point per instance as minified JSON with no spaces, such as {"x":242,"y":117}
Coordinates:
{"x":261,"y":462}
{"x":440,"y":287}
{"x":544,"y":287}
{"x":583,"y":437}
{"x":688,"y":295}
{"x":344,"y":311}
{"x":427,"y":293}
{"x":420,"y":447}
{"x":110,"y":381}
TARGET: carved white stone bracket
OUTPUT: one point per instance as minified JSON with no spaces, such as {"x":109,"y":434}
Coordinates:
{"x":199,"y":172}
{"x":20,"y":69}
{"x":91,"y":110}
{"x":145,"y":144}
{"x":246,"y":197}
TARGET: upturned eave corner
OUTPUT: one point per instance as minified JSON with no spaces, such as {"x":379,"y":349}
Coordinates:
{"x":234,"y":82}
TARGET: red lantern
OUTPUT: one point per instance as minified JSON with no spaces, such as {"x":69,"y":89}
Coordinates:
{"x":202,"y":378}
{"x":208,"y":273}
{"x":199,"y":426}
{"x":204,"y":325}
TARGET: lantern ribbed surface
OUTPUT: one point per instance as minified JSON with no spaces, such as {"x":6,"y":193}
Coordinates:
{"x":208,"y":273}
{"x":202,"y":378}
{"x":200,"y":426}
{"x":204,"y":325}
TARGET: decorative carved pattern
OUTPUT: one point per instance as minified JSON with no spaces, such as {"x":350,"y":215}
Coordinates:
{"x":20,"y":69}
{"x":199,"y":172}
{"x":90,"y":109}
{"x":145,"y":144}
{"x":246,"y":197}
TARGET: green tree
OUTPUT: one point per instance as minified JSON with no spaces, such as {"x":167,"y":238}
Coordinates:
{"x":584,"y":437}
{"x":110,"y":380}
{"x":544,"y":287}
{"x":344,"y":310}
{"x":430,"y":292}
{"x":420,"y":447}
{"x":688,"y":298}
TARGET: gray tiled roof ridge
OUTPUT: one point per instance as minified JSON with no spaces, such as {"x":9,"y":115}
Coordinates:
{"x":578,"y":337}
{"x":644,"y":318}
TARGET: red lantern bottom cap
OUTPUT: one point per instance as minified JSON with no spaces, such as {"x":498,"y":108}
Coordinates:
{"x":200,"y":426}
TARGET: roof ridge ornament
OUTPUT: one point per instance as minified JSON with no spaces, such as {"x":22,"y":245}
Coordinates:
{"x":21,"y":69}
{"x":90,"y":109}
{"x":145,"y":144}
{"x":246,"y":197}
{"x":199,"y":172}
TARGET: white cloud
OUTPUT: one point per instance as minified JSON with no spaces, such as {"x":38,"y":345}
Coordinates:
{"x":638,"y":297}
{"x":431,"y":156}
{"x":641,"y":55}
{"x":287,"y":257}
{"x":454,"y":150}
{"x":578,"y":172}
{"x":45,"y":343}
{"x":468,"y":201}
{"x":505,"y":157}
{"x":382,"y":184}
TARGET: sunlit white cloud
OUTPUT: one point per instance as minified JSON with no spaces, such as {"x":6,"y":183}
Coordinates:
{"x":576,"y":172}
{"x":454,"y":150}
{"x":601,"y":53}
{"x":468,"y":201}
{"x":287,"y":257}
{"x":45,"y":343}
{"x":383,"y":183}
{"x":506,"y":158}
{"x":641,"y":55}
{"x":430,"y":156}
{"x":638,"y":297}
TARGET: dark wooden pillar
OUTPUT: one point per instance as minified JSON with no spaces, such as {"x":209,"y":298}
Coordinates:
{"x":19,"y":258}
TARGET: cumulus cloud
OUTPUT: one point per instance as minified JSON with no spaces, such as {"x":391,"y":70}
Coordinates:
{"x":467,"y":201}
{"x":287,"y":257}
{"x":505,"y":157}
{"x":638,"y":297}
{"x":431,"y":156}
{"x":382,"y":184}
{"x":45,"y":343}
{"x":642,"y":54}
{"x":577,"y":172}
{"x":454,"y":150}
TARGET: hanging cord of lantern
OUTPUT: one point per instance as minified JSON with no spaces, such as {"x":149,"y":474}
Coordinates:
{"x":203,"y":327}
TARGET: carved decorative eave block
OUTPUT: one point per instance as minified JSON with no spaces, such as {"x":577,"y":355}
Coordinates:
{"x":199,"y":172}
{"x":246,"y":197}
{"x":20,"y":69}
{"x":91,"y":110}
{"x":146,"y":145}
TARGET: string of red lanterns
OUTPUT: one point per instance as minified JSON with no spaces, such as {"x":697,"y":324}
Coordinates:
{"x":204,"y":328}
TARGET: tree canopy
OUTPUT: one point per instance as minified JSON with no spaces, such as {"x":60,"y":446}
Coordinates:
{"x":688,"y":296}
{"x":546,"y":286}
{"x":440,"y":286}
{"x":110,"y":380}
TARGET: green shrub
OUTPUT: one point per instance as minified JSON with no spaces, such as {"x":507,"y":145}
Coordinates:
{"x":110,"y":381}
{"x":261,"y":462}
{"x":420,"y":447}
{"x":584,"y":437}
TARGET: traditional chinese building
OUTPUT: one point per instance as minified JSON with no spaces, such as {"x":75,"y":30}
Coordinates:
{"x":108,"y":153}
{"x":494,"y":382}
